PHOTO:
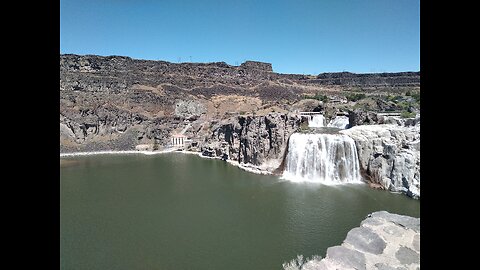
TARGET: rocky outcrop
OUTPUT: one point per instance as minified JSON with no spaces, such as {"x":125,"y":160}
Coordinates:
{"x":113,"y":130}
{"x":384,"y":241}
{"x":399,"y":121}
{"x":257,"y":65}
{"x":370,"y":79}
{"x":308,"y":105}
{"x":118,"y":73}
{"x":189,"y":109}
{"x":257,"y":140}
{"x":362,"y":117}
{"x":389,"y":156}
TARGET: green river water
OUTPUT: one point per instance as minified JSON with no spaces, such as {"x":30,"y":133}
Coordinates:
{"x":179,"y":211}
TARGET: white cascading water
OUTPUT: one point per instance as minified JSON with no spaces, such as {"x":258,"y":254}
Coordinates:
{"x":339,"y":122}
{"x":316,"y":120}
{"x":322,"y":158}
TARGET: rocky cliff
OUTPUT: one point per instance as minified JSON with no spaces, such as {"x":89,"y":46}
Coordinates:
{"x":389,"y":155}
{"x":116,"y":102}
{"x":370,"y":79}
{"x":257,"y":140}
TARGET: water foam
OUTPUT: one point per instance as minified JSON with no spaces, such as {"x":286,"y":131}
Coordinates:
{"x":316,"y":120}
{"x":322,"y":158}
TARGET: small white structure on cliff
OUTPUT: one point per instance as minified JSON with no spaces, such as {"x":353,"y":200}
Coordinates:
{"x":179,"y":140}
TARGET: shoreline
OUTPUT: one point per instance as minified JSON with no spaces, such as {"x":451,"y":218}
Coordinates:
{"x":76,"y":154}
{"x":248,"y":168}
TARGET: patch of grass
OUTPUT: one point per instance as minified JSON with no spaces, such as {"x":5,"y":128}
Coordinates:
{"x":317,"y":96}
{"x":395,"y":99}
{"x":363,"y":106}
{"x":355,"y":97}
{"x":410,"y":100}
{"x":404,"y":105}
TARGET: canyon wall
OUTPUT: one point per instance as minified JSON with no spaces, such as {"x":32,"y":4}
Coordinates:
{"x":243,"y":113}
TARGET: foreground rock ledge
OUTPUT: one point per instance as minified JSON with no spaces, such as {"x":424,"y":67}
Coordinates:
{"x":383,"y":241}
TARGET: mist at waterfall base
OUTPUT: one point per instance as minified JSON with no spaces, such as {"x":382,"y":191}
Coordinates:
{"x":178,"y":211}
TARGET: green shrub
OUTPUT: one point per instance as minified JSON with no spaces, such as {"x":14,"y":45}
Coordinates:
{"x":406,"y":114}
{"x":390,"y":98}
{"x":317,"y":96}
{"x":320,"y":97}
{"x":416,"y":96}
{"x":403,"y":105}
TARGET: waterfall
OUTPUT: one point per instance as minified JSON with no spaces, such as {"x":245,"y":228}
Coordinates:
{"x":339,"y":122}
{"x":316,"y":120}
{"x":322,"y":158}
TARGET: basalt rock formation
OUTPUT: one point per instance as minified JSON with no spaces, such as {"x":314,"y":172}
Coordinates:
{"x":370,"y":79}
{"x":383,"y":241}
{"x":260,"y":141}
{"x":389,"y":156}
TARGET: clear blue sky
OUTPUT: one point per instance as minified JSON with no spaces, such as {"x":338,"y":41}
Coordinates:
{"x":296,"y":36}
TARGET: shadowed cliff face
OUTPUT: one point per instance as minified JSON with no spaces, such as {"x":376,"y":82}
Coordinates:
{"x":260,"y":141}
{"x":117,"y":103}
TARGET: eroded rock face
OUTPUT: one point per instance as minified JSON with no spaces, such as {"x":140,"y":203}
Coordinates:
{"x":308,"y":105}
{"x":371,"y":79}
{"x":112,"y":129}
{"x":257,"y":65}
{"x":361,"y":117}
{"x":374,"y":246}
{"x":389,"y":155}
{"x":260,"y":140}
{"x":189,"y":108}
